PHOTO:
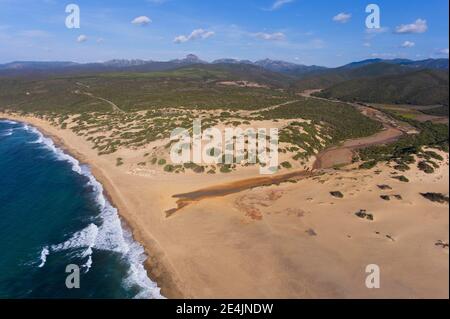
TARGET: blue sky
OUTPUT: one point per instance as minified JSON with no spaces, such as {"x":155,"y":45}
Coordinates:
{"x":321,"y":32}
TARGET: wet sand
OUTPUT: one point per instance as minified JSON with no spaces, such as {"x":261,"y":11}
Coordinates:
{"x":233,"y":187}
{"x":343,"y":155}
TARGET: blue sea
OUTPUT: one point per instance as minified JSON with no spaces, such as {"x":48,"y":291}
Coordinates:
{"x":53,"y":213}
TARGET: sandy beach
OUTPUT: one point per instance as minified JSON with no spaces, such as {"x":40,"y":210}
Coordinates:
{"x":294,"y":240}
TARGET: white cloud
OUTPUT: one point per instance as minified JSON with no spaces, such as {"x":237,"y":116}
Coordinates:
{"x":82,"y":38}
{"x":419,"y":26}
{"x":142,"y":20}
{"x":408,"y":44}
{"x":342,"y":17}
{"x":100,"y":40}
{"x":376,"y":30}
{"x":277,"y":36}
{"x":196,"y":34}
{"x":279,"y":3}
{"x":443,"y":51}
{"x":367,"y":44}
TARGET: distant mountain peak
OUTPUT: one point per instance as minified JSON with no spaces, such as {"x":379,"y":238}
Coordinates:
{"x":190,"y":59}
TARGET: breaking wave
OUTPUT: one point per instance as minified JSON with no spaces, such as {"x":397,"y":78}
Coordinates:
{"x":9,"y":122}
{"x":107,"y":235}
{"x":7,"y":132}
{"x":44,"y":254}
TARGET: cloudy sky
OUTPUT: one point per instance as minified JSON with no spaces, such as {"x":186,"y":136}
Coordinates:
{"x":321,"y":32}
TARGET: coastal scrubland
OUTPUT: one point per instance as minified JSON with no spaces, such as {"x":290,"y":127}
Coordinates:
{"x":262,"y":238}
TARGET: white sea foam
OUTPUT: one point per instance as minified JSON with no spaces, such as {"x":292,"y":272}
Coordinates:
{"x":81,"y":239}
{"x":44,"y":254}
{"x":7,"y":132}
{"x":109,"y":235}
{"x":59,"y":153}
{"x":8,"y":121}
{"x":88,"y":263}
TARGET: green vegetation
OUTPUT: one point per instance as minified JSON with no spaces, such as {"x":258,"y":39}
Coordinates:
{"x":109,"y":131}
{"x":329,"y":123}
{"x":328,"y":78}
{"x":324,"y":125}
{"x":401,"y":152}
{"x":401,"y":178}
{"x":368,"y":164}
{"x":193,"y":87}
{"x":150,"y":105}
{"x":337,"y":194}
{"x":194,"y":167}
{"x":343,"y":120}
{"x":423,"y":166}
{"x":437,"y":111}
{"x":364,"y":215}
{"x":169,"y":168}
{"x":55,"y":94}
{"x":402,"y":167}
{"x":434,"y":155}
{"x":225,"y":169}
{"x":286,"y":165}
{"x":436,"y":197}
{"x":425,"y":87}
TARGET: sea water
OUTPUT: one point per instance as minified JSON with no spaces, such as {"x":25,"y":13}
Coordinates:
{"x":53,"y":213}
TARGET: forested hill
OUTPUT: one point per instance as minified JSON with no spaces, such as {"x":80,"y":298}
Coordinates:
{"x":425,"y":87}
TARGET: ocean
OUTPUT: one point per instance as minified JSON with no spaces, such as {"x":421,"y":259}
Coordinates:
{"x":53,"y":213}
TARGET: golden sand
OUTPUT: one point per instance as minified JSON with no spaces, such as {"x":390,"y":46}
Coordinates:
{"x":293,"y":240}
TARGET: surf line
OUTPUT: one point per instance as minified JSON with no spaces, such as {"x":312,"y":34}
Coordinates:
{"x":109,"y":235}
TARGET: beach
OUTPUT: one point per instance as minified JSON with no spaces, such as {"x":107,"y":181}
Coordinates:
{"x":293,"y":240}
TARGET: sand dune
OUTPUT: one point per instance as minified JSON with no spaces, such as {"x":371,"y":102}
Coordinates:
{"x":294,"y":240}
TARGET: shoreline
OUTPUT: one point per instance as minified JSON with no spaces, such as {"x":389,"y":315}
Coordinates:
{"x":154,"y":267}
{"x":276,"y":241}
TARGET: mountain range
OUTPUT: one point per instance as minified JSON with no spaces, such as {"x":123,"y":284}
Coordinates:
{"x":136,"y":65}
{"x":423,"y":82}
